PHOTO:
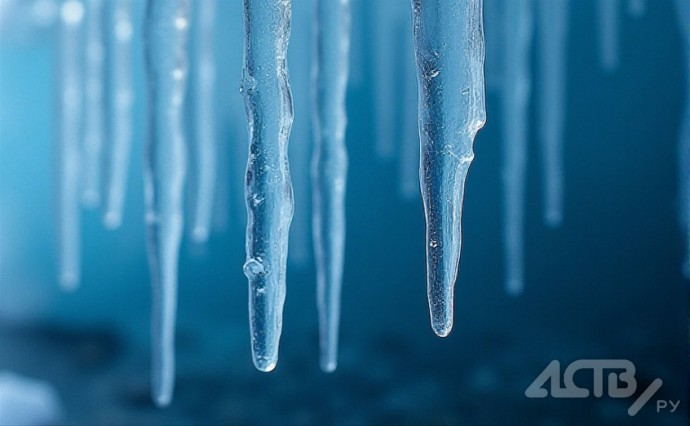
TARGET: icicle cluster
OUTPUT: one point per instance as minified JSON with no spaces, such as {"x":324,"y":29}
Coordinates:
{"x":443,"y":109}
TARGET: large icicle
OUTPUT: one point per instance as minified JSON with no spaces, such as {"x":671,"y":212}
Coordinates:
{"x":268,"y":104}
{"x":329,"y":167}
{"x":121,"y":28}
{"x":204,"y":120}
{"x":608,"y":34}
{"x":553,"y":23}
{"x":516,"y":94}
{"x":167,"y":23}
{"x":449,"y":46}
{"x":683,"y":11}
{"x":70,"y":110}
{"x":94,"y":111}
{"x":300,"y":137}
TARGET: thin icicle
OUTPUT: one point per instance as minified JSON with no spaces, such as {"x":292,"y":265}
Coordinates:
{"x":167,"y":23}
{"x":301,"y":141}
{"x":683,"y":12}
{"x":204,"y":120}
{"x":94,"y":111}
{"x":329,"y":167}
{"x":409,"y":149}
{"x":268,"y":104}
{"x":121,"y":31}
{"x":388,"y":16}
{"x":553,"y":23}
{"x":637,"y":8}
{"x":516,"y":94}
{"x":70,"y":110}
{"x":449,"y":46}
{"x":608,"y":34}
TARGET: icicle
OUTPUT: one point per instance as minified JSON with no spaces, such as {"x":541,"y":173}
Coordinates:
{"x":388,"y":15}
{"x":94,"y":111}
{"x":516,"y":94}
{"x":71,"y":98}
{"x":608,"y":34}
{"x":167,"y":23}
{"x":449,"y":46}
{"x":409,"y":149}
{"x":301,"y":141}
{"x":204,"y":121}
{"x":683,"y":11}
{"x":121,"y":102}
{"x":637,"y":8}
{"x":329,"y":167}
{"x":268,"y":103}
{"x":553,"y":22}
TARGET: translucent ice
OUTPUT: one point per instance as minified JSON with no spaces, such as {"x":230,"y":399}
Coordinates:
{"x":449,"y":47}
{"x":268,"y":104}
{"x":329,"y":167}
{"x":167,"y":23}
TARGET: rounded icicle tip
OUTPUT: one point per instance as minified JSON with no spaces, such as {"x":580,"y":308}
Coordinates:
{"x":162,"y":400}
{"x":265,"y":365}
{"x":442,"y":328}
{"x":328,"y":366}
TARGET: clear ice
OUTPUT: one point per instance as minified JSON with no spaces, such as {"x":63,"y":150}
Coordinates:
{"x":94,"y":102}
{"x":268,"y":192}
{"x":167,"y":24}
{"x":204,"y":119}
{"x":329,"y":167}
{"x":121,"y":80}
{"x":71,"y":102}
{"x":608,"y":34}
{"x":553,"y":30}
{"x":449,"y":48}
{"x":516,"y":93}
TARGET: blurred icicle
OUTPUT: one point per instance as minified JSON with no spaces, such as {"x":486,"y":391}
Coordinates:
{"x":299,"y":60}
{"x":166,"y":25}
{"x":121,"y":28}
{"x":637,"y":8}
{"x":494,"y":11}
{"x":268,"y":105}
{"x":388,"y":14}
{"x":329,"y":167}
{"x":409,"y":147}
{"x":204,"y":120}
{"x":553,"y":23}
{"x":94,"y":111}
{"x":683,"y":12}
{"x":608,"y":34}
{"x":516,"y":95}
{"x":449,"y":49}
{"x":70,"y":110}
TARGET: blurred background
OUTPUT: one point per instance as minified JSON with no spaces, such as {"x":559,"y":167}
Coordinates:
{"x":607,"y":284}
